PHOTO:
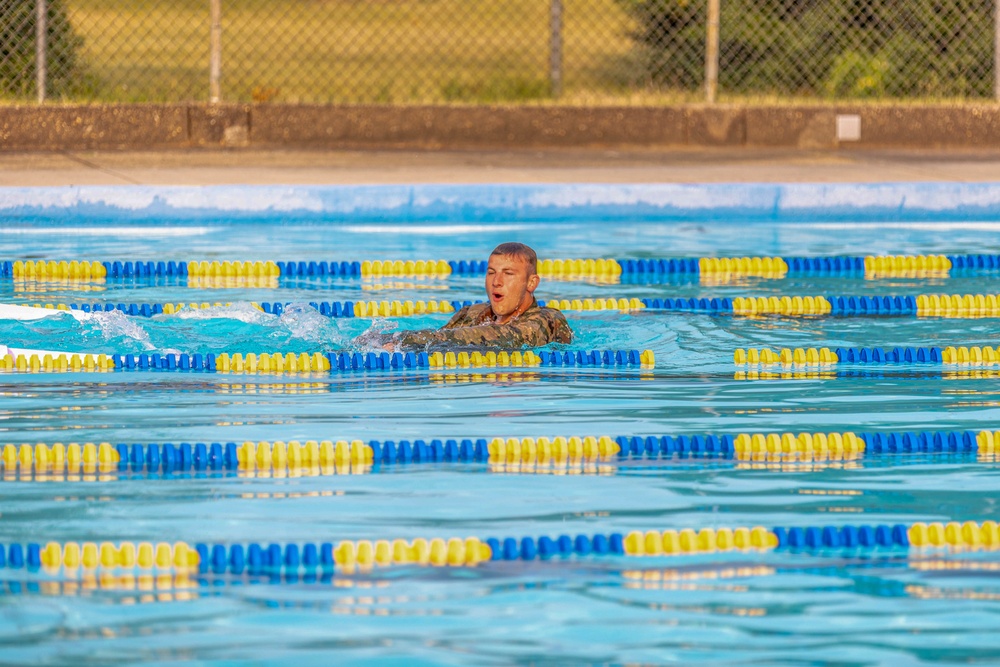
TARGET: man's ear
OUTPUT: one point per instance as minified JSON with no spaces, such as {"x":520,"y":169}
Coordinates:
{"x":533,"y":282}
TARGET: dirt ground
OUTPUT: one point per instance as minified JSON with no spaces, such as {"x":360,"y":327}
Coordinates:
{"x":219,"y":167}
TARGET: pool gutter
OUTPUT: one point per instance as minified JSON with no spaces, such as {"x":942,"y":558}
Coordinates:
{"x":908,"y":204}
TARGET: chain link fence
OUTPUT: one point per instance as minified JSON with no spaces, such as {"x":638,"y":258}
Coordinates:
{"x":497,"y":51}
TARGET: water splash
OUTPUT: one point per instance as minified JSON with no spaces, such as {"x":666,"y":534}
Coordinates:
{"x":374,"y":337}
{"x":243,"y":311}
{"x":303,"y":322}
{"x":114,"y":326}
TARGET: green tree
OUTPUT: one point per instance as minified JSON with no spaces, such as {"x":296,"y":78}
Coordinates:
{"x":18,"y":48}
{"x":669,"y":37}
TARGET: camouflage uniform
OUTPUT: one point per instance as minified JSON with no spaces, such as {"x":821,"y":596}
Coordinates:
{"x":473,"y":327}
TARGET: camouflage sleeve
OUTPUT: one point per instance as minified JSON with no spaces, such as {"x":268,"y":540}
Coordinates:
{"x":522,"y":333}
{"x":497,"y":337}
{"x":421,"y":339}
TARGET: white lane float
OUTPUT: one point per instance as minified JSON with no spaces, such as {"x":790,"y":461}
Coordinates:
{"x":9,"y":311}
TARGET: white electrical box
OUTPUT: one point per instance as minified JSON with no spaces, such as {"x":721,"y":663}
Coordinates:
{"x":848,"y":127}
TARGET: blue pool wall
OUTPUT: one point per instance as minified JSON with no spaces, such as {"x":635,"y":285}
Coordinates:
{"x":604,"y":202}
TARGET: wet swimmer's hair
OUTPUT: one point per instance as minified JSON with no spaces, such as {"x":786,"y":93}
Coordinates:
{"x":518,"y":250}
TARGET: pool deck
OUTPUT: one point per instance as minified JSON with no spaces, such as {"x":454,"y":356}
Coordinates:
{"x":245,"y":166}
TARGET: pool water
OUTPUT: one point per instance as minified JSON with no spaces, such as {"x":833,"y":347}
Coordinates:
{"x":796,"y":607}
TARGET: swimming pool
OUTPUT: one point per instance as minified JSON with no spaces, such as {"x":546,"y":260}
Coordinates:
{"x":802,"y":603}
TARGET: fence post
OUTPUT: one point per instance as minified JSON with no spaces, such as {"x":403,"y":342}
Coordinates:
{"x":712,"y":51}
{"x":215,"y":53}
{"x":41,"y":48}
{"x":556,"y":47}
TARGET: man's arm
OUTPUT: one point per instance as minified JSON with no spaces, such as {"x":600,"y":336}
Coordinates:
{"x":516,"y":335}
{"x":422,"y":338}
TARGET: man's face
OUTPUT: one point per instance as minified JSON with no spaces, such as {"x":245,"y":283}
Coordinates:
{"x":509,"y":283}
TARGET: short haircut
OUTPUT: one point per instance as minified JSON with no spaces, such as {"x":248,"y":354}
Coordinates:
{"x":518,"y":250}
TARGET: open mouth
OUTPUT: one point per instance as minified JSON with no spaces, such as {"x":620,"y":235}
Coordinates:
{"x":497,"y":296}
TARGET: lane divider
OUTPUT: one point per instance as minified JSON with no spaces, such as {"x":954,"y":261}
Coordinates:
{"x":786,"y":305}
{"x":873,"y":265}
{"x":472,"y":551}
{"x":317,"y":362}
{"x":53,"y":270}
{"x":71,"y":455}
{"x":336,"y":309}
{"x":341,"y":455}
{"x":868,"y":265}
{"x":557,"y":269}
{"x":161,"y":556}
{"x":896,"y":265}
{"x":923,"y":305}
{"x":958,"y":305}
{"x":578,"y":269}
{"x":213,"y":269}
{"x":585,"y":305}
{"x":964,"y":306}
{"x":864,"y":355}
{"x":54,"y":362}
{"x":969,"y":305}
{"x":795,"y":305}
{"x":405,"y":269}
{"x":348,"y":555}
{"x":763,"y":267}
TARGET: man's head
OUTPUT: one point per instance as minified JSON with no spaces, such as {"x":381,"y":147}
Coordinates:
{"x":511,"y":279}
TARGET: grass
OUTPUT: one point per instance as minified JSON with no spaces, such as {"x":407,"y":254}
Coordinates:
{"x":372,"y":51}
{"x":385,"y":51}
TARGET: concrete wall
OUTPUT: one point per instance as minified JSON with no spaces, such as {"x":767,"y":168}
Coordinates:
{"x":25,"y":128}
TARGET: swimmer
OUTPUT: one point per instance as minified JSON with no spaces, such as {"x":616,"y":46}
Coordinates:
{"x":511,"y":320}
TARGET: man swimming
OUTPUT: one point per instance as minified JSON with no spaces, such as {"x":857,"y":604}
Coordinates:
{"x":510,"y":320}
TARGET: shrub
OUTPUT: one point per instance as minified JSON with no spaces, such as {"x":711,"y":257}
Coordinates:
{"x":832,"y":48}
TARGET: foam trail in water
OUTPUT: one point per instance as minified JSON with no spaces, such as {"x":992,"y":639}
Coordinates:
{"x":242,"y":311}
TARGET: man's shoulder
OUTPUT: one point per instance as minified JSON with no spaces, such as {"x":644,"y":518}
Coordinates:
{"x":471,"y":314}
{"x":551,"y":313}
{"x":553,"y":320}
{"x":475,"y":310}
